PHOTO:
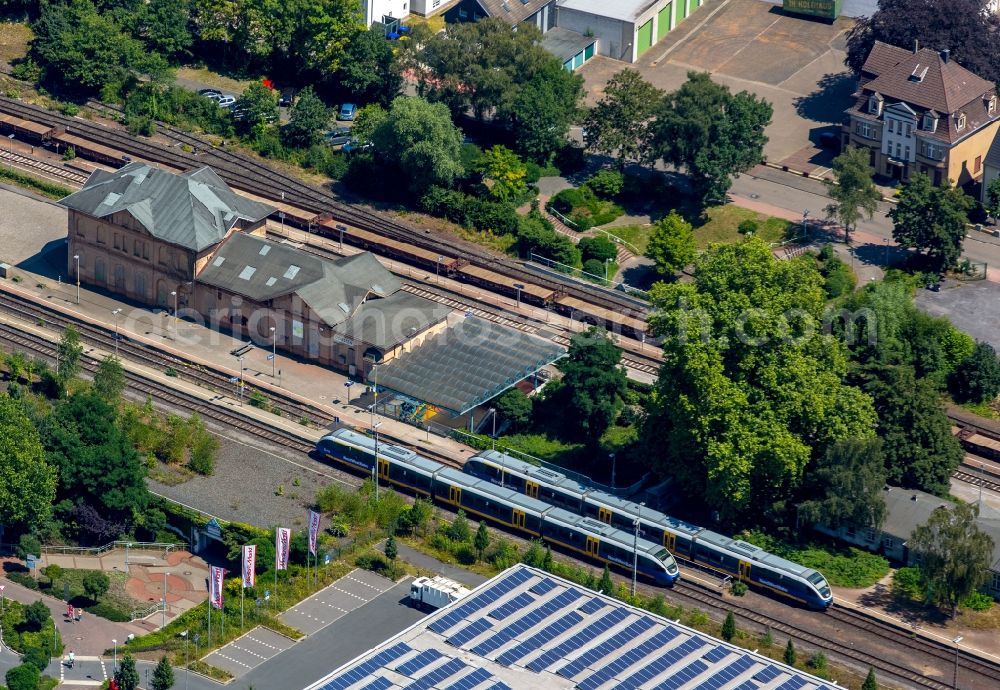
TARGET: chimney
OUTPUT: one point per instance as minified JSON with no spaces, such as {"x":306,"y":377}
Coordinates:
{"x":916,"y":46}
{"x":945,"y":55}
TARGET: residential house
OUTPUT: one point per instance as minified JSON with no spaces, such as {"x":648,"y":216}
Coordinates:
{"x":541,"y":13}
{"x":920,"y":111}
{"x":906,"y":509}
{"x":376,"y":10}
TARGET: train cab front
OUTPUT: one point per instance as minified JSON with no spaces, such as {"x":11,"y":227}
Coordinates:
{"x":822,"y":595}
{"x":668,"y":573}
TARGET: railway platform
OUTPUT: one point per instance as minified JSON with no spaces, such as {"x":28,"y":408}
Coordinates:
{"x":186,"y":341}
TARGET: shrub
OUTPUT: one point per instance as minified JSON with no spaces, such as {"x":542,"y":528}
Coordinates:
{"x":818,"y":662}
{"x":108,"y":612}
{"x":977,"y":601}
{"x":372,"y":561}
{"x":37,"y":656}
{"x":23,"y":677}
{"x":24,"y":580}
{"x":504,"y":554}
{"x":459,"y":529}
{"x":36,"y":615}
{"x":747,"y":227}
{"x":594,"y":268}
{"x":465,"y":554}
{"x":600,"y":248}
{"x":69,"y":154}
{"x":728,"y":627}
{"x":607,"y":184}
{"x":96,"y":584}
{"x":738,"y":588}
{"x":907,"y":584}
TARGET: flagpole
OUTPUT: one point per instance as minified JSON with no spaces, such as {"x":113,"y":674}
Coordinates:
{"x":210,"y":614}
{"x":222,"y":600}
{"x":243,"y":591}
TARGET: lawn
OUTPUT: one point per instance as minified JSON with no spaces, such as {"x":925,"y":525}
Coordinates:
{"x":636,"y":235}
{"x":115,"y":605}
{"x":14,"y":39}
{"x":723,"y":222}
{"x":205,"y":76}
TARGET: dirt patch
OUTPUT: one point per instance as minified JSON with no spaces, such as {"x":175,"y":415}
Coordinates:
{"x":14,"y":39}
{"x":204,"y":77}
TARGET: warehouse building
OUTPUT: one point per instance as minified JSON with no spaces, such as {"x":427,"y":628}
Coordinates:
{"x":527,"y":629}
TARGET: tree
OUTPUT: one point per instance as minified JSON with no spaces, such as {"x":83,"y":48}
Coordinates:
{"x":993,"y":198}
{"x":606,"y":585}
{"x":95,"y":584}
{"x":163,"y":675}
{"x":535,"y":235}
{"x":23,"y":677}
{"x":852,"y":190}
{"x":671,"y":244}
{"x":369,"y":71}
{"x":53,"y":572}
{"x":905,"y":24}
{"x":751,"y":388}
{"x":69,"y":352}
{"x":932,"y":220}
{"x":308,"y":120}
{"x":620,"y":122}
{"x":127,"y":676}
{"x":789,"y":656}
{"x":37,"y":656}
{"x":870,"y":682}
{"x":36,"y":615}
{"x":977,"y":378}
{"x":163,"y":26}
{"x":460,"y":530}
{"x":847,"y":483}
{"x":391,"y":551}
{"x":919,"y":448}
{"x":711,"y":133}
{"x":109,"y":379}
{"x":27,"y":481}
{"x":547,"y":559}
{"x":599,"y":248}
{"x":514,"y":407}
{"x":257,"y":107}
{"x":419,"y":138}
{"x":593,"y":384}
{"x":505,"y":172}
{"x":728,"y":627}
{"x":747,"y":228}
{"x":954,"y":554}
{"x":481,"y":541}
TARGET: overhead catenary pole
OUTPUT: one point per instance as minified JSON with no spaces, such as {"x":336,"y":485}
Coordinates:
{"x":635,"y":550}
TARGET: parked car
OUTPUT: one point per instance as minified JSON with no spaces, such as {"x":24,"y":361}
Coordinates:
{"x":209,"y":92}
{"x":214,"y":97}
{"x":286,"y":97}
{"x":347,"y":111}
{"x":227,"y":101}
{"x":339,"y":136}
{"x":353,"y":145}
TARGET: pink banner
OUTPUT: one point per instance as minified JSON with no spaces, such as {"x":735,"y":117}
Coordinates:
{"x":313,"y":531}
{"x":282,"y":545}
{"x":215,"y":576}
{"x":249,"y":565}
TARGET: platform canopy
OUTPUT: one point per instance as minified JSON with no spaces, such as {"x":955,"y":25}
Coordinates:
{"x":467,"y":364}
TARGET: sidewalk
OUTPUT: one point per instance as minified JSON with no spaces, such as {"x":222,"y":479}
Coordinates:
{"x":90,"y":637}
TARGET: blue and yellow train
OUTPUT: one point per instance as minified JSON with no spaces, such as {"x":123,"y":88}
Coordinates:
{"x":746,"y":562}
{"x":584,"y":535}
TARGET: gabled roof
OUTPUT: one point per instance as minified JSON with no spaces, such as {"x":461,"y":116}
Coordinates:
{"x":512,"y":11}
{"x":194,"y":209}
{"x":263,"y":270}
{"x":944,"y":86}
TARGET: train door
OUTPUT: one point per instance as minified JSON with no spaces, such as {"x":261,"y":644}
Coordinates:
{"x":518,"y":520}
{"x":455,"y":494}
{"x":744,"y":571}
{"x":531,"y":489}
{"x":592,"y":545}
{"x":383,"y":468}
{"x":670,"y":541}
{"x":604,"y":515}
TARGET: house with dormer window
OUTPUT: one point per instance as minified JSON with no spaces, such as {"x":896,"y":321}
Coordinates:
{"x":919,"y":111}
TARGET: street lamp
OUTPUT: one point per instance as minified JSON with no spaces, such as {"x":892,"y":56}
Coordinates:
{"x":954,"y":683}
{"x":77,"y":258}
{"x":240,"y":394}
{"x":187,"y":675}
{"x":493,"y":411}
{"x":281,"y":215}
{"x":437,"y":269}
{"x":805,"y":221}
{"x":1,"y":598}
{"x":375,"y":467}
{"x":274,"y":350}
{"x":518,"y":287}
{"x":635,"y":550}
{"x":114,"y":669}
{"x":116,"y":312}
{"x":163,"y":611}
{"x":173,"y":293}
{"x":348,"y":384}
{"x":127,"y":546}
{"x":612,"y":470}
{"x":10,"y":149}
{"x":342,"y":228}
{"x":607,"y":262}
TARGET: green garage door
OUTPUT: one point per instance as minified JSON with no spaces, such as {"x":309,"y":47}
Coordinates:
{"x":645,"y":37}
{"x":681,"y":10}
{"x":663,"y":21}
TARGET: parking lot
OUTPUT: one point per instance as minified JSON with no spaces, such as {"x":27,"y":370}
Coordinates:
{"x":973,"y":307}
{"x":249,"y":651}
{"x":797,"y":64}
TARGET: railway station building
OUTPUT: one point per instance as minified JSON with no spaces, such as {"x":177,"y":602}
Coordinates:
{"x":528,"y":630}
{"x":187,"y":241}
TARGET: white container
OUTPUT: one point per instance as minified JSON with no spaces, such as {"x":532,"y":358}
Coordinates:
{"x":435,"y":592}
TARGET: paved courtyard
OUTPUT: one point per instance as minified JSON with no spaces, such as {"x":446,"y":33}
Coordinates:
{"x":797,"y":64}
{"x":973,"y":307}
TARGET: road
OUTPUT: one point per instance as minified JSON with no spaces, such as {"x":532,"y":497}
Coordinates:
{"x":795,"y":194}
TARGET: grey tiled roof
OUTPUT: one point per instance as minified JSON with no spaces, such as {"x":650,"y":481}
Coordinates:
{"x":513,"y":11}
{"x":194,"y":209}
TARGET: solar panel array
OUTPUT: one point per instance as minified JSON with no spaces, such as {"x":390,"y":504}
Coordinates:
{"x":532,"y":630}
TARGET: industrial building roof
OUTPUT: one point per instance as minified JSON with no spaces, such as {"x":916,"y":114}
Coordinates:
{"x":622,"y":10}
{"x":512,"y":11}
{"x":525,"y":630}
{"x":565,"y":44}
{"x":194,"y":209}
{"x":467,"y":364}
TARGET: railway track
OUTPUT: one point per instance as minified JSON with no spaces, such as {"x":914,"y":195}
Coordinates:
{"x":976,"y":480}
{"x":47,"y":169}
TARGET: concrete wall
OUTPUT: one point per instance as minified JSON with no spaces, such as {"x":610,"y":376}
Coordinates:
{"x":376,"y":9}
{"x":961,"y":158}
{"x":427,"y":8}
{"x":615,"y":38}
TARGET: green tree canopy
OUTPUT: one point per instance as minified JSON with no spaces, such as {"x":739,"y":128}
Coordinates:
{"x":598,"y":247}
{"x":127,"y":676}
{"x":257,"y":107}
{"x":420,"y":139}
{"x":846,"y":484}
{"x":671,"y":244}
{"x":163,"y":675}
{"x":36,"y":615}
{"x":308,"y":120}
{"x":977,"y":378}
{"x":69,"y":353}
{"x":162,"y":25}
{"x":109,"y":379}
{"x":870,"y":682}
{"x":954,"y":554}
{"x":481,"y":541}
{"x":593,"y":386}
{"x":789,"y":655}
{"x":96,"y":584}
{"x":619,"y":125}
{"x":711,"y":133}
{"x":750,"y":388}
{"x":536,"y":235}
{"x":23,"y":677}
{"x":27,"y":481}
{"x":514,"y":407}
{"x":369,"y":70}
{"x":993,"y":197}
{"x":606,"y":585}
{"x":852,"y":191}
{"x":728,"y":627}
{"x":391,"y":550}
{"x":505,"y":172}
{"x":932,"y":220}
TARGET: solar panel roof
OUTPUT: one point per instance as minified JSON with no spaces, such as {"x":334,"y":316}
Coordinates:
{"x":555,"y":635}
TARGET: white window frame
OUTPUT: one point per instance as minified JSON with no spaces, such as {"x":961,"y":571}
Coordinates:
{"x":960,"y":122}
